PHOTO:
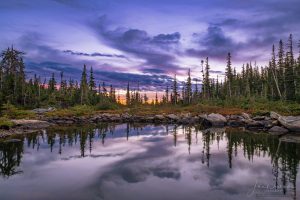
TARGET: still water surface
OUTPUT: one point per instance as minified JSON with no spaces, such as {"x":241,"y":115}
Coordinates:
{"x":148,"y":162}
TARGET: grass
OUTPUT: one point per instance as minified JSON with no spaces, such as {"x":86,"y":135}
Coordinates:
{"x":225,"y":108}
{"x":82,"y":110}
{"x":5,"y":123}
{"x":236,"y":106}
{"x":11,"y":112}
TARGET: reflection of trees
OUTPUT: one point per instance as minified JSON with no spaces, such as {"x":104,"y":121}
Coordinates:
{"x":10,"y":158}
{"x":284,"y":156}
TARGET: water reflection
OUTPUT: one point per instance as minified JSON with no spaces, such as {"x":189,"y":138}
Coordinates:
{"x":141,"y":155}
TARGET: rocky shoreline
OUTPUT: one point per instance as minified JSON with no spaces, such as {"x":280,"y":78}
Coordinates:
{"x":272,"y":122}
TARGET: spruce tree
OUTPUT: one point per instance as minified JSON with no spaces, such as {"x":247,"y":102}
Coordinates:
{"x":189,"y":88}
{"x":289,"y":74}
{"x":229,"y":75}
{"x":52,"y":84}
{"x":175,"y":93}
{"x":83,"y":87}
{"x":156,"y":99}
{"x":206,"y":81}
{"x":128,"y":95}
{"x":92,"y":84}
{"x":12,"y":76}
{"x":167,"y":94}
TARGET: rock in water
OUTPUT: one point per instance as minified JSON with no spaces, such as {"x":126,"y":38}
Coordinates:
{"x":290,"y":138}
{"x":31,"y":124}
{"x":290,"y":122}
{"x":173,"y":117}
{"x":278,"y":129}
{"x":215,"y":119}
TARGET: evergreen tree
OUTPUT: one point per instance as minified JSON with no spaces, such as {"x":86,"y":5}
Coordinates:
{"x":167,"y":94}
{"x":83,"y":87}
{"x":12,"y":76}
{"x":281,"y":69}
{"x":92,"y":84}
{"x":52,"y":84}
{"x":175,"y":93}
{"x":146,"y":99}
{"x":289,"y":74}
{"x":206,"y":81}
{"x":229,"y":75}
{"x":128,"y":95}
{"x":189,"y":88}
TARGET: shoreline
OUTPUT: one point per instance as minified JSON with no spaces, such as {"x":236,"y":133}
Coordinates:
{"x":272,"y":123}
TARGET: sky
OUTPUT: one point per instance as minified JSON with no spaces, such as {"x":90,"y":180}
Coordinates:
{"x":145,"y":41}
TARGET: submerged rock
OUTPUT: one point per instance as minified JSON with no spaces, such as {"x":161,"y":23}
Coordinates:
{"x":254,"y":125}
{"x":278,"y":129}
{"x":290,"y":138}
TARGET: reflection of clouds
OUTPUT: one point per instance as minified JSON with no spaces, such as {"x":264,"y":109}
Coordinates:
{"x":138,"y":168}
{"x":147,"y":166}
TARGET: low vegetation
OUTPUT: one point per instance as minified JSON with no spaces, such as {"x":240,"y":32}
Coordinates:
{"x":5,"y":123}
{"x":12,"y":112}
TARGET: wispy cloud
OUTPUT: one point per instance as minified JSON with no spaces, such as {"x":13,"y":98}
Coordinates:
{"x":93,"y":54}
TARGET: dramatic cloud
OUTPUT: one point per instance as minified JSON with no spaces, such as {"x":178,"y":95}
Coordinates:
{"x":153,"y":38}
{"x":157,"y":51}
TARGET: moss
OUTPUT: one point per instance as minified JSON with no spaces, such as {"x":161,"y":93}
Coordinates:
{"x":5,"y":123}
{"x":12,"y":112}
{"x":82,"y":110}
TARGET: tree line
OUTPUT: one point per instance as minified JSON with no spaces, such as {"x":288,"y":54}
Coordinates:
{"x":32,"y":93}
{"x":280,"y":80}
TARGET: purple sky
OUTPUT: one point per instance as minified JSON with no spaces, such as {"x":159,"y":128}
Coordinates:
{"x":146,"y":41}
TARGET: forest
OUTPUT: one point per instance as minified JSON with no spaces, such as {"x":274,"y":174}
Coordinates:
{"x":277,"y":82}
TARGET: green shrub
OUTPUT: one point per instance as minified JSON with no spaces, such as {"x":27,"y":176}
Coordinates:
{"x":106,"y":105}
{"x":79,"y":110}
{"x":5,"y":123}
{"x":12,"y":112}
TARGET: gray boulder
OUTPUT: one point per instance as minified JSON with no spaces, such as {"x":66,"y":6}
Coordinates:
{"x":254,"y":125}
{"x":290,"y":122}
{"x":246,"y":116}
{"x":173,"y":117}
{"x":43,"y":110}
{"x":259,"y":118}
{"x":159,"y":117}
{"x":274,"y":115}
{"x":214,"y":119}
{"x":31,"y":124}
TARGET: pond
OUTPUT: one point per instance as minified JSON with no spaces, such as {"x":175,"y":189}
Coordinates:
{"x":135,"y":161}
